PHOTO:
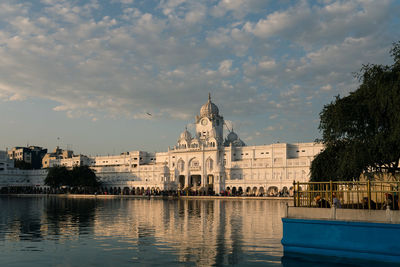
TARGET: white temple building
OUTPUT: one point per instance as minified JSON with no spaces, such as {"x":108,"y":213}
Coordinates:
{"x":205,"y":161}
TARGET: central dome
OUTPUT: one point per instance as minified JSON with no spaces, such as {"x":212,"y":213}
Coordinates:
{"x":209,"y":109}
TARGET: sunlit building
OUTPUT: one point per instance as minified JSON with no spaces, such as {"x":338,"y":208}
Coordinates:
{"x":203,"y":161}
{"x":31,"y":155}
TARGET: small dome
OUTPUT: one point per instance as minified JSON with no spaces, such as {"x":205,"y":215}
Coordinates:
{"x":232,"y":136}
{"x":233,"y":139}
{"x":185,"y":135}
{"x":209,"y":109}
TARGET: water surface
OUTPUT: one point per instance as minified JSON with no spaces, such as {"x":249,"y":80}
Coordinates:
{"x":55,"y":231}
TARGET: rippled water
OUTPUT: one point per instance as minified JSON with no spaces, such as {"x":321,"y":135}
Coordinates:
{"x":56,"y":231}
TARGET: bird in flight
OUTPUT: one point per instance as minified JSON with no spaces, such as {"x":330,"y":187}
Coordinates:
{"x":149,"y":114}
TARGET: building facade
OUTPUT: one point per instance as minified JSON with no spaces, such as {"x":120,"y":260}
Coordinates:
{"x":31,"y":155}
{"x":204,"y":161}
{"x":54,"y":157}
{"x":13,"y":177}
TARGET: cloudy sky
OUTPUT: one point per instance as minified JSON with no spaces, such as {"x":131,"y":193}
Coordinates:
{"x":85,"y":73}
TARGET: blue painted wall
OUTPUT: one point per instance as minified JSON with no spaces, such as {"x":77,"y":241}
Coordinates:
{"x":362,"y":240}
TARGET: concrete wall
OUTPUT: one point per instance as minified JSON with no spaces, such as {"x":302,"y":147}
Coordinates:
{"x":377,"y":216}
{"x":361,"y":240}
{"x":351,"y":233}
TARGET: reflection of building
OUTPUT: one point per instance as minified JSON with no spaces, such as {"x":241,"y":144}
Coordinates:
{"x":204,"y":161}
{"x":198,"y":232}
{"x":183,"y":232}
{"x":32,"y":155}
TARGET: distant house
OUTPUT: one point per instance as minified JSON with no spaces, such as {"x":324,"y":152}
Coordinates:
{"x":5,"y":162}
{"x":54,"y":158}
{"x":32,"y":155}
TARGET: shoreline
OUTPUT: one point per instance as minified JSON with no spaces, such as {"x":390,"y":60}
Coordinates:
{"x":147,"y":197}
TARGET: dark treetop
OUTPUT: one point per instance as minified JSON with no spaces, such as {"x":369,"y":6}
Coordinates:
{"x":361,"y":131}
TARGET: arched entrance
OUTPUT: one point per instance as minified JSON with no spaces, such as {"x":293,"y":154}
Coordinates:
{"x":195,"y":182}
{"x":285,"y":191}
{"x":240,"y":191}
{"x":261,"y":191}
{"x":254,"y":191}
{"x":272,"y":191}
{"x":181,"y":180}
{"x":248,"y":191}
{"x":210,"y":184}
{"x":125,"y":191}
{"x":228,"y":190}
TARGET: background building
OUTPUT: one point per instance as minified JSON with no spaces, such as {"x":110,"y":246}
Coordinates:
{"x":31,"y":155}
{"x":5,"y":162}
{"x":54,"y":158}
{"x":204,"y":162}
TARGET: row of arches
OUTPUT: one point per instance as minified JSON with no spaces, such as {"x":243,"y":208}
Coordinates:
{"x":130,"y":190}
{"x":26,"y":190}
{"x":208,"y":189}
{"x":271,"y":191}
{"x":195,"y":181}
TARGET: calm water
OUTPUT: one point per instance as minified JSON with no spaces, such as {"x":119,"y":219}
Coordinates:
{"x":52,"y":231}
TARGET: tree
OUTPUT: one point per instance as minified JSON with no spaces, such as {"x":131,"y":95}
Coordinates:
{"x":83,"y":176}
{"x":57,"y":176}
{"x":79,"y":176}
{"x":361,"y":132}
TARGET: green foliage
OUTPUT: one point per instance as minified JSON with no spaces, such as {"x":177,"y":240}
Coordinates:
{"x":83,"y":176}
{"x":79,"y":176}
{"x":57,"y":176}
{"x":362,"y":131}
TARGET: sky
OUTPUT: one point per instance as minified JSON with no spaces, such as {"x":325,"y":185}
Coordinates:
{"x":85,"y":74}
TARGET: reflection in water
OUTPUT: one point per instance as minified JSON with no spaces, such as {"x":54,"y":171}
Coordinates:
{"x":55,"y":231}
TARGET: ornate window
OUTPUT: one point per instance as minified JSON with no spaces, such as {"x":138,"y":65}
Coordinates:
{"x":210,"y":164}
{"x":194,"y":163}
{"x":181,"y":165}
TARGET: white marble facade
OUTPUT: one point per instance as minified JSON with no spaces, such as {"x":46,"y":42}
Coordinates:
{"x":206,"y":161}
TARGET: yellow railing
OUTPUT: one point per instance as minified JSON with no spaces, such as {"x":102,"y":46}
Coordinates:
{"x":351,"y":195}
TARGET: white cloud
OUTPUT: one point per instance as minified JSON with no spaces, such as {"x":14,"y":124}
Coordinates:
{"x":225,"y":68}
{"x":280,"y":21}
{"x":91,"y":62}
{"x":239,"y":8}
{"x":327,"y":87}
{"x":268,"y":64}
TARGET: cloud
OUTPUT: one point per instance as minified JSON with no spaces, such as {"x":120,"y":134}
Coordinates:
{"x":280,"y":22}
{"x":257,"y":59}
{"x":273,"y":116}
{"x":327,"y":87}
{"x":239,"y":8}
{"x":307,"y":24}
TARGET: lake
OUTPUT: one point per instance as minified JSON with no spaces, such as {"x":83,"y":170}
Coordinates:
{"x":58,"y":231}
